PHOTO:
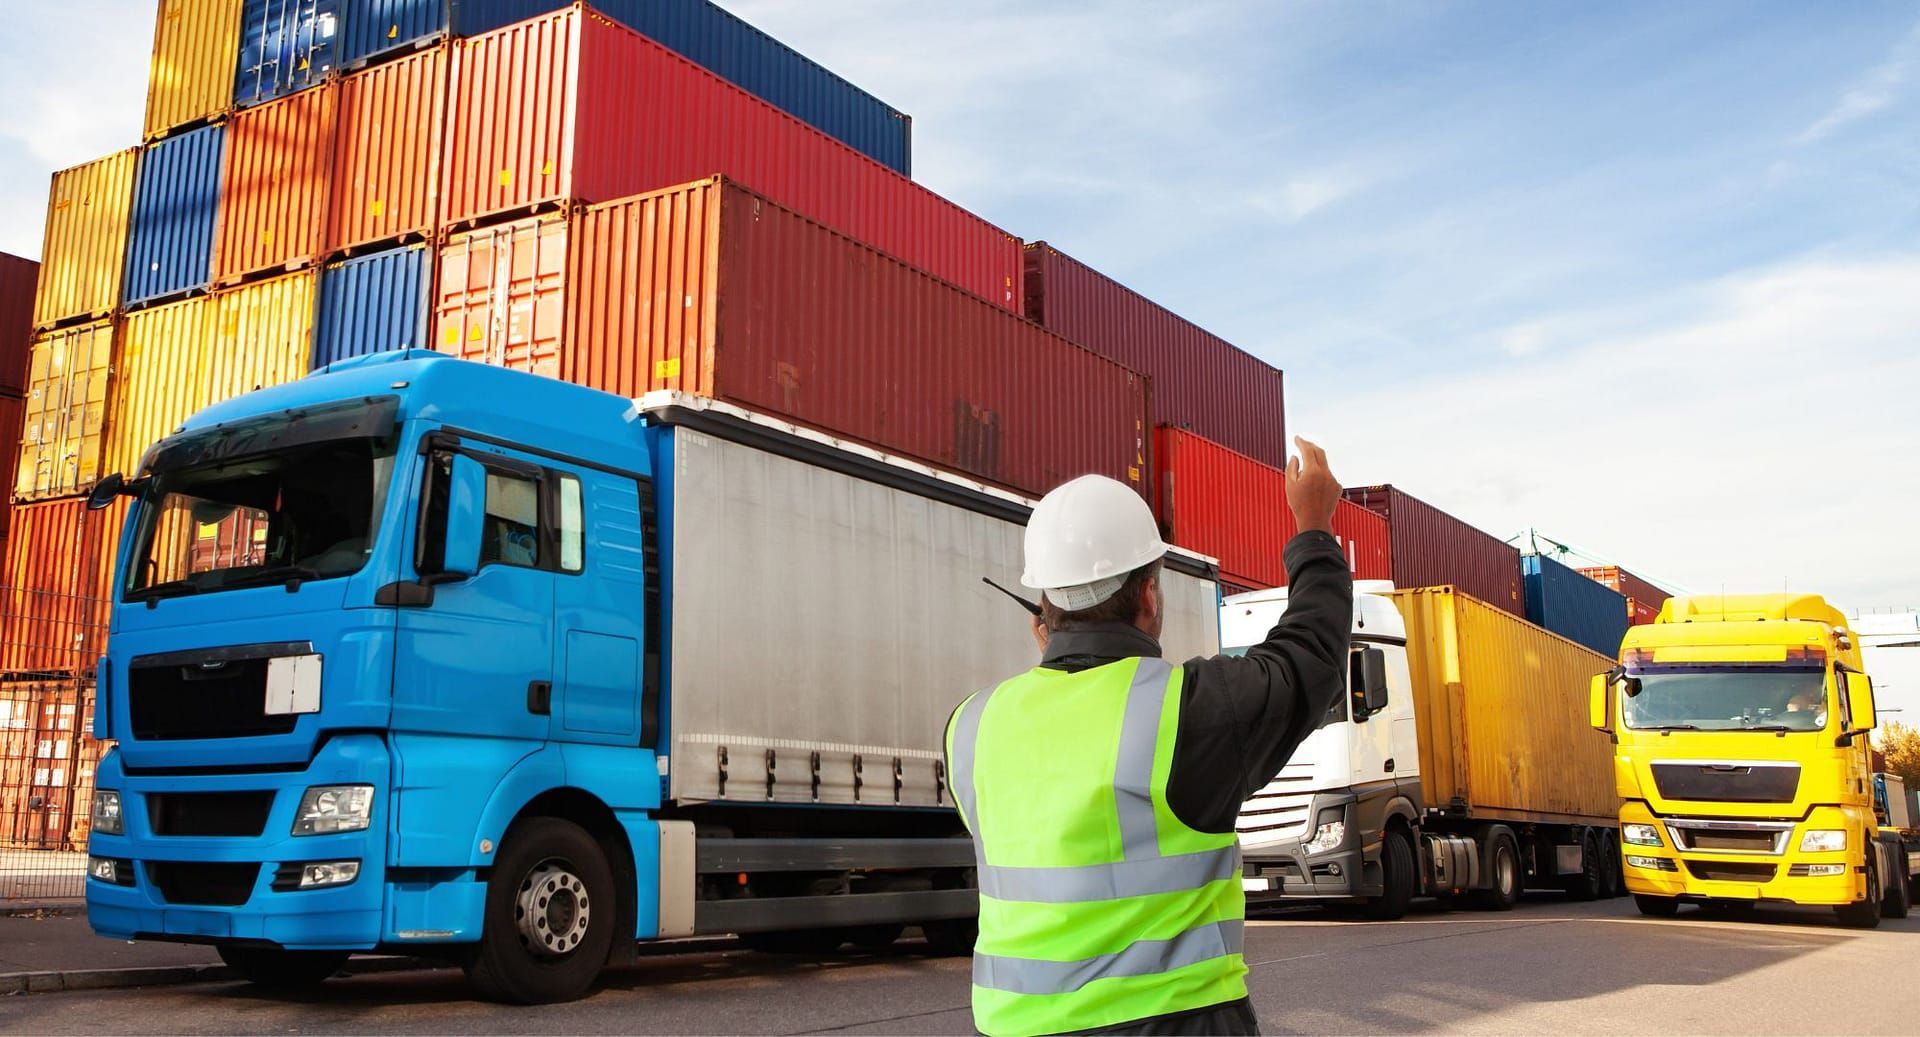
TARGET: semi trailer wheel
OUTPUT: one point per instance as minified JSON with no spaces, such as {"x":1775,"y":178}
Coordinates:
{"x":1396,"y":878}
{"x":549,"y":915}
{"x":1611,"y":867}
{"x":1591,"y":882}
{"x":1503,"y":872}
{"x":1899,"y":899}
{"x":1656,"y":906}
{"x":278,"y":969}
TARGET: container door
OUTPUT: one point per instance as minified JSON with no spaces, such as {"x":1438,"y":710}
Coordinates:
{"x":606,"y":586}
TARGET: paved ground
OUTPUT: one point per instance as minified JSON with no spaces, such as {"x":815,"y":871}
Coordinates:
{"x":1548,"y":967}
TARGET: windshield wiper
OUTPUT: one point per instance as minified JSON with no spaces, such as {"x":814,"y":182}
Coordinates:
{"x":292,"y":575}
{"x":1779,"y":729}
{"x":1670,"y":728}
{"x":170,"y":589}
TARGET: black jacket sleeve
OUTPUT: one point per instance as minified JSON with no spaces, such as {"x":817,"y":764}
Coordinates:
{"x":1242,"y":717}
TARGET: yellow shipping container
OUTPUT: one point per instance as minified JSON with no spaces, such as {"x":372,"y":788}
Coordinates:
{"x":262,"y":335}
{"x":66,"y":411}
{"x":85,"y":248}
{"x":159,"y":379}
{"x":1502,"y":708}
{"x":191,"y":79}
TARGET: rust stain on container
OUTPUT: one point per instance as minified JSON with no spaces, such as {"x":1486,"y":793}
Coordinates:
{"x":66,"y":410}
{"x":275,"y":184}
{"x":387,"y":161}
{"x":191,"y":79}
{"x":502,"y":295}
{"x":159,"y":378}
{"x":88,"y":212}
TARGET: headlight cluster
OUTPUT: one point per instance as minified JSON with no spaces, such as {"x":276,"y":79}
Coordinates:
{"x":1823,"y":840}
{"x":1640,"y":835}
{"x":105,"y":813}
{"x":327,"y":809}
{"x":1329,"y":831}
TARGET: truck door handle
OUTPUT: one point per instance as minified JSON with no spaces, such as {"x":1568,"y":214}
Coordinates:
{"x":1389,"y":765}
{"x":540,"y":698}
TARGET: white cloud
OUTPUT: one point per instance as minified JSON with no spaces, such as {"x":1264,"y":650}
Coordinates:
{"x":1302,"y":196}
{"x":1871,"y":93}
{"x":1766,"y":440}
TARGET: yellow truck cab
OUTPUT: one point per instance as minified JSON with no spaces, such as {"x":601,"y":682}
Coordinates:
{"x":1742,"y":760}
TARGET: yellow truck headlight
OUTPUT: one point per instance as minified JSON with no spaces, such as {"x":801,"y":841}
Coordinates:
{"x":1823,"y":840}
{"x":1640,"y":835}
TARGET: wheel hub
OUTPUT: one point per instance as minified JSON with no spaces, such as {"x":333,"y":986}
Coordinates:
{"x":552,"y":910}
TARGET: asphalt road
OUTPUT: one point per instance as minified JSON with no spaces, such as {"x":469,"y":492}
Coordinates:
{"x":1548,"y":967}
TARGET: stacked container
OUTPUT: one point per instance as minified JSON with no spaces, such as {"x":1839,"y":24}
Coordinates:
{"x":1433,"y":549}
{"x":17,"y":280}
{"x":1643,"y":598}
{"x":1573,"y":606}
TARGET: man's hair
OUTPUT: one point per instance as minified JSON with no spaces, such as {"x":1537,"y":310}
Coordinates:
{"x":1121,"y":608}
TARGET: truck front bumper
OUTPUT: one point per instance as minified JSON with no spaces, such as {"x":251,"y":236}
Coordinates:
{"x":1289,"y":870}
{"x":1833,"y":878}
{"x":236,"y":887}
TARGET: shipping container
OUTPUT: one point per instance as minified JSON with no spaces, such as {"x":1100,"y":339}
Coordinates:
{"x":373,"y":303}
{"x":54,"y":588}
{"x":262,"y":335}
{"x":85,"y":248}
{"x":703,"y":32}
{"x":1502,"y":709}
{"x":19,"y":279}
{"x":386,"y":166}
{"x":1573,"y":606}
{"x":170,"y":242}
{"x":1643,"y":598}
{"x":42,"y":753}
{"x":66,"y":409}
{"x":1201,"y":381}
{"x":191,"y":80}
{"x":285,"y":46}
{"x":502,"y":295}
{"x":13,"y":418}
{"x":275,"y":181}
{"x":1431,"y":548}
{"x":712,"y":289}
{"x":158,"y":378}
{"x":575,"y":107}
{"x":1225,"y":504}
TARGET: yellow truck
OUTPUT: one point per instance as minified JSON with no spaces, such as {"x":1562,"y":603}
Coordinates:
{"x":1741,"y":758}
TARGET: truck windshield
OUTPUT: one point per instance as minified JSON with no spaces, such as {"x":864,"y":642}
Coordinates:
{"x":308,"y":511}
{"x":1727,"y":698}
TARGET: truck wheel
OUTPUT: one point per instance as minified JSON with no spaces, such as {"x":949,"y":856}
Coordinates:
{"x":951,"y":937}
{"x":1899,"y":899}
{"x":1591,"y":883}
{"x":1616,"y":880}
{"x":549,"y":915}
{"x":1503,"y":872}
{"x":278,"y":969}
{"x":1656,"y":906}
{"x":1865,"y":914}
{"x":1396,"y":878}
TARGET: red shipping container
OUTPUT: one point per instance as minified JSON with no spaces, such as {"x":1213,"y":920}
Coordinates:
{"x":1201,"y":381}
{"x":274,"y":185}
{"x":1223,"y":503}
{"x":386,"y":171}
{"x":713,"y":289}
{"x":502,"y":294}
{"x":18,"y":278}
{"x":575,"y":107}
{"x":1643,"y":598}
{"x":55,"y":586}
{"x":13,"y":420}
{"x":1431,"y":548}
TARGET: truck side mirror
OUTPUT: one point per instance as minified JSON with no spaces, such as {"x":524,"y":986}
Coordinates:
{"x":113,"y":485}
{"x":1370,"y":696}
{"x":466,"y":518}
{"x":1598,"y":691}
{"x":1860,"y":702}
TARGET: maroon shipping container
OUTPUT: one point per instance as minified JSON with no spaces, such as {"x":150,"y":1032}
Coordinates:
{"x":1200,"y":381}
{"x":574,"y":107}
{"x":1432,"y":548}
{"x":1223,"y":503}
{"x":17,"y":280}
{"x":713,"y":289}
{"x":1643,"y":598}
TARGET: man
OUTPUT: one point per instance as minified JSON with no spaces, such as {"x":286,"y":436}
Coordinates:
{"x":1101,"y":787}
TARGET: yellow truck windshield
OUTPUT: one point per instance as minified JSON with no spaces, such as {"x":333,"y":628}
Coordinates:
{"x":1726,"y":698}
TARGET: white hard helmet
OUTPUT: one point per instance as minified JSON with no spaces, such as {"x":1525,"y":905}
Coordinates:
{"x":1085,"y":537}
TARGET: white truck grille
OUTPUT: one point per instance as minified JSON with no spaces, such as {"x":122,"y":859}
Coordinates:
{"x":1279,"y":811}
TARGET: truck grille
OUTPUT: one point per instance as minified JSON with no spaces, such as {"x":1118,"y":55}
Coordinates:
{"x":1735,"y":841}
{"x":1730,"y":782}
{"x":209,"y":813}
{"x":1722,"y":871}
{"x":1279,"y":810}
{"x":202,"y":883}
{"x":212,"y":694}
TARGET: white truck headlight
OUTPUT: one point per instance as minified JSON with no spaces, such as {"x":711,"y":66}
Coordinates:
{"x":1640,"y":835}
{"x":105,"y":814}
{"x":327,"y":809}
{"x":1823,"y":840}
{"x":1327,"y":837}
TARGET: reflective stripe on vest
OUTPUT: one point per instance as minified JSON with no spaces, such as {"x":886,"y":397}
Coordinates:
{"x":1141,"y":958}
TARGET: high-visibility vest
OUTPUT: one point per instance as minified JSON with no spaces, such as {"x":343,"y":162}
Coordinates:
{"x":1097,"y":905}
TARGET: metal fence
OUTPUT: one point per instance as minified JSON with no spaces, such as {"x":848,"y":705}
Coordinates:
{"x":49,"y":643}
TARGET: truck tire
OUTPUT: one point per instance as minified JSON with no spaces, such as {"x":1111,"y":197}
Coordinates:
{"x":1656,"y":906}
{"x":1865,"y":914}
{"x":1591,"y":882}
{"x":278,"y":969}
{"x":1397,"y":871}
{"x":1899,"y":899}
{"x":1611,"y":867}
{"x":951,"y":937}
{"x":1503,"y":872}
{"x":549,"y":916}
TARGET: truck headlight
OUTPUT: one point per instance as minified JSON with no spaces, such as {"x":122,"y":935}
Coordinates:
{"x":105,"y":814}
{"x":326,"y":809}
{"x":1823,"y":840}
{"x":1327,"y":837}
{"x":1640,"y":835}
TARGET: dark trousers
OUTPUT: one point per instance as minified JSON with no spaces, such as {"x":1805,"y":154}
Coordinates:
{"x":1234,"y":1017}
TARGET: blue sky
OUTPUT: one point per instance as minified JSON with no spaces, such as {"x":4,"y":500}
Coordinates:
{"x":1644,"y":275}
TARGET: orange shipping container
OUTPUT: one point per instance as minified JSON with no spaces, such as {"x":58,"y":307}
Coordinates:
{"x":85,"y":250}
{"x":387,"y":157}
{"x":53,"y":616}
{"x":274,"y":185}
{"x":502,"y":295}
{"x":66,"y":411}
{"x":191,"y":80}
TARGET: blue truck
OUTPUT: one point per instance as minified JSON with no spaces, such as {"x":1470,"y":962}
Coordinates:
{"x":518,"y":673}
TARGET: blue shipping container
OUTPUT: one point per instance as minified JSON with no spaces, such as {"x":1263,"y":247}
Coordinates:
{"x":170,"y":234}
{"x":373,"y":303}
{"x":698,"y":29}
{"x":285,"y":46}
{"x":1573,"y":606}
